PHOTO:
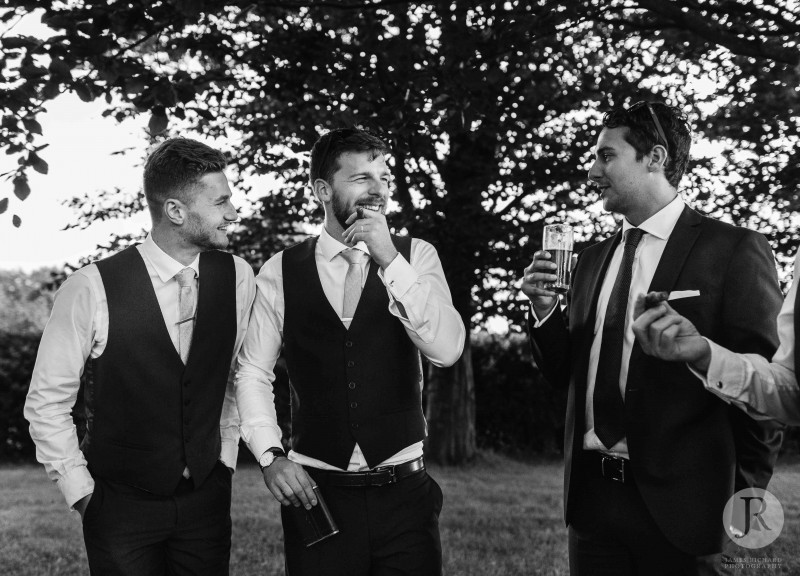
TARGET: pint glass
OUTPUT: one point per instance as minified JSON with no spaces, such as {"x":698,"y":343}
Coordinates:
{"x":558,"y":241}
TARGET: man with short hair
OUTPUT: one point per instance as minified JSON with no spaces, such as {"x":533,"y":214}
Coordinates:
{"x":352,"y":308}
{"x":650,"y":459}
{"x":156,"y":327}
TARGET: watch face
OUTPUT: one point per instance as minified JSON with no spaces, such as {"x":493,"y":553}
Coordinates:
{"x":266,"y":459}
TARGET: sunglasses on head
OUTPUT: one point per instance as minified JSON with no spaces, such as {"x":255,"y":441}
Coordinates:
{"x":657,"y":124}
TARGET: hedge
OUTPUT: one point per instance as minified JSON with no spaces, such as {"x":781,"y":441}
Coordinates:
{"x":517,"y":411}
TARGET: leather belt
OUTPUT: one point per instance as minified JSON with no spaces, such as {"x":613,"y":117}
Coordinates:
{"x":602,"y":465}
{"x":376,"y":477}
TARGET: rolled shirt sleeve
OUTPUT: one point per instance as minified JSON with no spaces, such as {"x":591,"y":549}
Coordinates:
{"x":66,"y":344}
{"x":420,"y":298}
{"x":255,"y":373}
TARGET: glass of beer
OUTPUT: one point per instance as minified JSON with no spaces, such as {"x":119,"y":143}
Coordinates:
{"x":557,"y":240}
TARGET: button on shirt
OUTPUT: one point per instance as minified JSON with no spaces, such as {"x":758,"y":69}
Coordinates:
{"x":418,"y":296}
{"x":658,"y":229}
{"x":761,"y":388}
{"x":77,"y":330}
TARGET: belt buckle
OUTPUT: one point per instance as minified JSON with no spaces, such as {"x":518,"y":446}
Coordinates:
{"x":617,"y":471}
{"x":380,"y":471}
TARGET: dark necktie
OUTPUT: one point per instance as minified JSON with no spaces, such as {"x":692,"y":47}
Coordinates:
{"x":609,"y":408}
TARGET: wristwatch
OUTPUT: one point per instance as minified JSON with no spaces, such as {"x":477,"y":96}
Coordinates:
{"x":269,"y":457}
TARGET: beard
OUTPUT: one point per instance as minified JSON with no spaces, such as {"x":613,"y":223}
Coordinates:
{"x":204,"y":235}
{"x":341,"y":211}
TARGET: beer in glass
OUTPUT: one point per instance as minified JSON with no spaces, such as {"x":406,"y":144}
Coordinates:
{"x":557,"y":240}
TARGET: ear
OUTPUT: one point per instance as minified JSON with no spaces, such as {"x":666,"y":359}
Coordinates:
{"x":658,"y":158}
{"x":322,"y":190}
{"x":175,"y":211}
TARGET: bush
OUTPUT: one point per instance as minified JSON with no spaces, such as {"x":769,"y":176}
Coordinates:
{"x":517,"y":410}
{"x":17,"y":357}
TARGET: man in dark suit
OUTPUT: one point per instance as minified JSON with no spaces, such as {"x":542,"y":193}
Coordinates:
{"x":151,"y":478}
{"x":650,"y":458}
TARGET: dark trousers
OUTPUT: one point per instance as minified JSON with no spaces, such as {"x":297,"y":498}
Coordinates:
{"x":612,"y":533}
{"x":390,"y":530}
{"x":130,"y":532}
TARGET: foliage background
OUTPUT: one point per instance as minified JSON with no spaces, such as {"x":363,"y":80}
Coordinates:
{"x":490,"y":109}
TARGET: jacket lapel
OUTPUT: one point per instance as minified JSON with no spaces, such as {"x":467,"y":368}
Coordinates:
{"x":677,"y":250}
{"x":680,"y":243}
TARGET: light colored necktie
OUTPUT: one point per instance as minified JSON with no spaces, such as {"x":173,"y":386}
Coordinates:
{"x":353,"y":282}
{"x":187,"y":300}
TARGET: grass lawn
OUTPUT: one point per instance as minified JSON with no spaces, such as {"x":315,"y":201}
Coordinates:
{"x":501,"y":518}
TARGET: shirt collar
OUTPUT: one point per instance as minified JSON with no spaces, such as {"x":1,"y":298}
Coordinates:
{"x":662,"y":222}
{"x":331,"y":247}
{"x":165,"y":265}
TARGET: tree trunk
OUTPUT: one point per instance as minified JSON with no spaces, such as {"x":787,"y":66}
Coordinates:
{"x":451,"y":411}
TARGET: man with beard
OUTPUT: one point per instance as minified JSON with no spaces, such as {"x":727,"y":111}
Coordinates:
{"x":651,"y":459}
{"x":352,"y":308}
{"x":156,"y":328}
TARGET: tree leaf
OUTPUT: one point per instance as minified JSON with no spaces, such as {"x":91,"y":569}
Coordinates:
{"x":16,"y":221}
{"x":158,"y":123}
{"x":31,"y":125}
{"x":84,"y":92}
{"x":37,"y":163}
{"x":59,"y":69}
{"x":3,"y":205}
{"x":21,"y":188}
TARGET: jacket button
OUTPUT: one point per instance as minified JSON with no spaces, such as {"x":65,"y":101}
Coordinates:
{"x":186,"y":384}
{"x":719,"y":384}
{"x":352,"y":386}
{"x":354,"y":425}
{"x":350,"y":363}
{"x":353,"y":404}
{"x":349,"y":344}
{"x":186,"y":402}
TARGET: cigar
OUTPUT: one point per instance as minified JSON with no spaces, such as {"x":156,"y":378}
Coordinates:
{"x":654,"y":299}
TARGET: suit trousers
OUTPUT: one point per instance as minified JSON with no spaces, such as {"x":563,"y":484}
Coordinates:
{"x":612,"y":533}
{"x":131,"y":532}
{"x":390,"y":530}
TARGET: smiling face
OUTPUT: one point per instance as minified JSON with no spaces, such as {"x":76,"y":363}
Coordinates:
{"x":625,"y":183}
{"x":209,"y":213}
{"x":362,"y":180}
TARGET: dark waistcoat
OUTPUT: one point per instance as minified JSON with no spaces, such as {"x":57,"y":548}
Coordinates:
{"x":362,"y":384}
{"x":148,"y":415}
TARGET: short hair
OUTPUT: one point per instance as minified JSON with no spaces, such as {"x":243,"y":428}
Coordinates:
{"x":643,"y":133}
{"x":174,"y":166}
{"x":326,"y":151}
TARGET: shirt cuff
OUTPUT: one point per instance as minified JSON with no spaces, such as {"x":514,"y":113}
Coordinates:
{"x":229,"y":452}
{"x":76,"y":484}
{"x":726,"y":372}
{"x":399,"y":276}
{"x":536,"y":322}
{"x":261,"y":440}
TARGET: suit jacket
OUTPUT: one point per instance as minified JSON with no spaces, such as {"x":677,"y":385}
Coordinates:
{"x":682,"y":440}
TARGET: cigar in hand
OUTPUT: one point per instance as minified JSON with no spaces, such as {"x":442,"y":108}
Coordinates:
{"x":654,"y":299}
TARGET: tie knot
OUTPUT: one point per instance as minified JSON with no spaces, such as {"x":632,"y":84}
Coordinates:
{"x":633,"y":237}
{"x":354,"y":255}
{"x":185,"y":277}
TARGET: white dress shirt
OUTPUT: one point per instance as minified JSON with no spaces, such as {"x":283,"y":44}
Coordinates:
{"x":763,"y":389}
{"x":418,"y":296}
{"x":77,"y":330}
{"x":648,"y":254}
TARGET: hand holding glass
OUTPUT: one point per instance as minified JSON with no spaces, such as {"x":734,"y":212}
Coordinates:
{"x":557,"y":240}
